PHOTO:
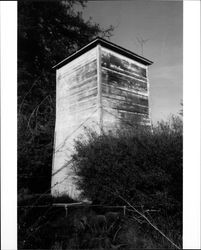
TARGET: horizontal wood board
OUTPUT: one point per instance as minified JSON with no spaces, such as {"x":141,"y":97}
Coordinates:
{"x":111,"y":61}
{"x":124,"y":91}
{"x":76,"y":98}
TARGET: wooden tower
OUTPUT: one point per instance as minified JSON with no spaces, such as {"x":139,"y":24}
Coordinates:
{"x":102,"y":86}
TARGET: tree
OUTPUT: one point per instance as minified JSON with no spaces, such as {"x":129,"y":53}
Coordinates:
{"x":47,"y":33}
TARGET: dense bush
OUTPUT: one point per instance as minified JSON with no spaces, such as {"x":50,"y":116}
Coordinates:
{"x":143,"y":168}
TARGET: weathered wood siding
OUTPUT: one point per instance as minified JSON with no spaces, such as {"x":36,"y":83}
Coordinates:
{"x":76,"y":100}
{"x":98,"y":89}
{"x":124,"y":91}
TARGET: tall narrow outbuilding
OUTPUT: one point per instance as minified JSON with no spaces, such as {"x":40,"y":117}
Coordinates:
{"x":103,"y":87}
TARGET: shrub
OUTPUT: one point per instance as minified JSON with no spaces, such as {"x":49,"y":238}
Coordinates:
{"x":143,"y":167}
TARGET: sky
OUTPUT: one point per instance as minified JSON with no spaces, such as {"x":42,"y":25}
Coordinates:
{"x":161,"y":22}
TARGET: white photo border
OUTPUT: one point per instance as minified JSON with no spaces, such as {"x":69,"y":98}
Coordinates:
{"x":191,"y":211}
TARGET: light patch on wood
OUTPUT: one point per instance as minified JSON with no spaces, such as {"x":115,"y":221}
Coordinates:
{"x":108,"y":51}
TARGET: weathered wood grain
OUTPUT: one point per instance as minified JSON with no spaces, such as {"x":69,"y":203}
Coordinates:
{"x":102,"y":90}
{"x":124,"y":90}
{"x":110,"y":61}
{"x":133,"y":98}
{"x":76,"y":98}
{"x":78,"y":62}
{"x":120,"y":119}
{"x":79,"y":95}
{"x":124,"y":82}
{"x":123,"y":105}
{"x":80,"y":75}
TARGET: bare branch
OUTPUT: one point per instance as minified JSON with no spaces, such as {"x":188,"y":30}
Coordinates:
{"x":35,"y":109}
{"x":21,"y":104}
{"x":149,"y":222}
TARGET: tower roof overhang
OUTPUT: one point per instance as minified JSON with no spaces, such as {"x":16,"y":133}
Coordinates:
{"x":106,"y":44}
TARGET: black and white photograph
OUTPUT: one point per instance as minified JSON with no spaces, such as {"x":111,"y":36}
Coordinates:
{"x":100,"y":116}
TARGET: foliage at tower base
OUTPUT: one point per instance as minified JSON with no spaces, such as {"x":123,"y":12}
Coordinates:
{"x":142,"y":169}
{"x":48,"y":31}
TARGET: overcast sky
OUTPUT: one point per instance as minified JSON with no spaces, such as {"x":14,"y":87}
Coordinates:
{"x":162,"y":23}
